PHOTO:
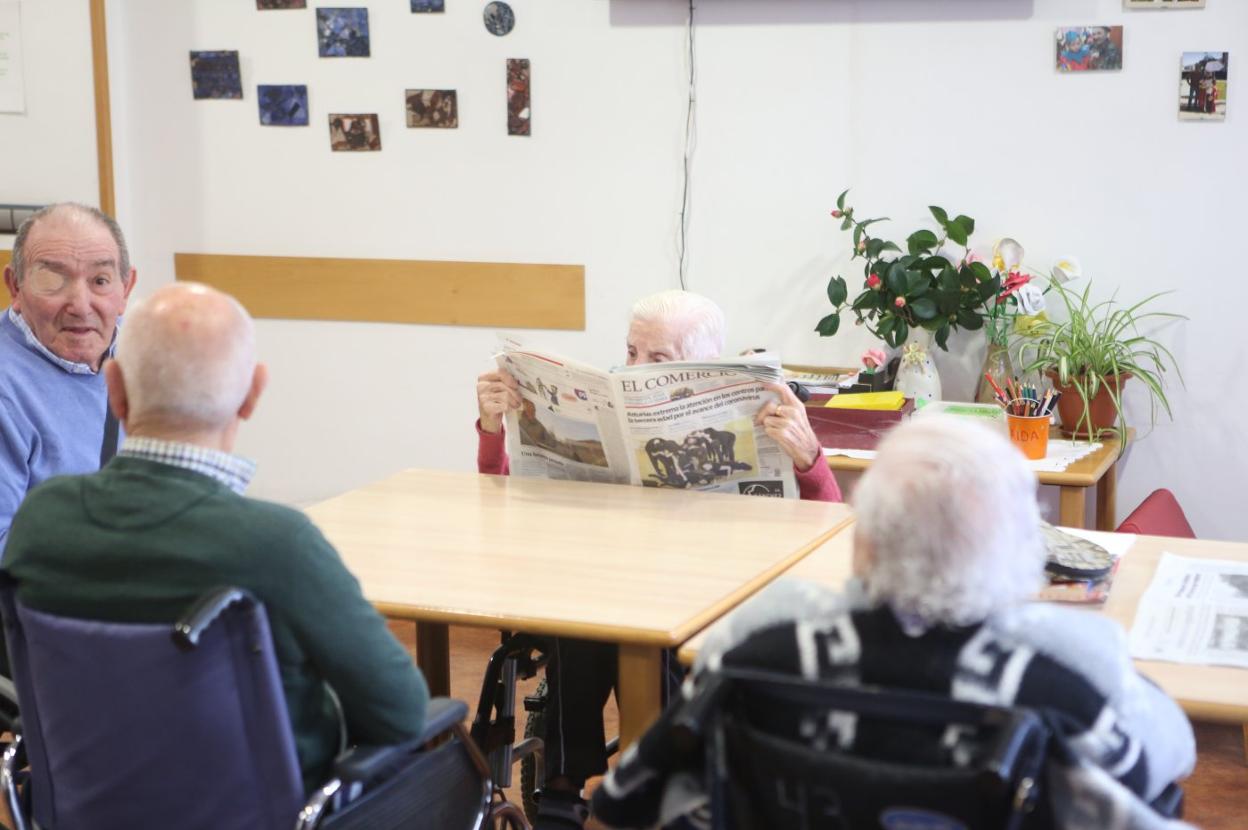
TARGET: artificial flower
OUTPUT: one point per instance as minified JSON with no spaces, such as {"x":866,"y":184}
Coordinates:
{"x":874,"y":359}
{"x":1014,"y":281}
{"x":1030,"y":299}
{"x":1007,"y":255}
{"x":1028,"y":324}
{"x":1066,"y":269}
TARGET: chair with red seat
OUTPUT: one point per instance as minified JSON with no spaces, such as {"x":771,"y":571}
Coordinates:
{"x":1158,"y":515}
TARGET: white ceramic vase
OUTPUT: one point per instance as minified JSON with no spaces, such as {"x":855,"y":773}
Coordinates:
{"x":917,"y":377}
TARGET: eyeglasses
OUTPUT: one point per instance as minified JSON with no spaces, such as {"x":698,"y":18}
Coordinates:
{"x":45,"y":282}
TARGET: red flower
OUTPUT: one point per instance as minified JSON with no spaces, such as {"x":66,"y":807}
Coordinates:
{"x":1013,"y":281}
{"x":900,"y":302}
{"x":874,"y":281}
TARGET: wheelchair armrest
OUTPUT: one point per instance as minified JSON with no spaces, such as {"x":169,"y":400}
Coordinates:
{"x":367,"y":763}
{"x":188,"y":629}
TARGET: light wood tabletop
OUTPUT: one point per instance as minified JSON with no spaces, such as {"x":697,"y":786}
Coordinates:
{"x":1097,"y":469}
{"x":636,"y":566}
{"x":1206,"y":693}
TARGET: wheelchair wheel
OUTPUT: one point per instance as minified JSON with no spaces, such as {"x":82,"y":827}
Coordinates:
{"x":533,"y":768}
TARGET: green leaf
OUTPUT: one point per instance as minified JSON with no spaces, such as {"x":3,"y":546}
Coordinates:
{"x":867,"y":301}
{"x":895,"y":280}
{"x":924,"y":308}
{"x":890,"y":246}
{"x":875,"y":247}
{"x":840,"y":200}
{"x":914,"y":281}
{"x":857,"y":237}
{"x":980,"y":270}
{"x":942,"y":337}
{"x":969,"y":320}
{"x":921,"y":241}
{"x":939,"y":213}
{"x":949,"y":281}
{"x":966,"y":223}
{"x":828,"y":325}
{"x":846,"y":222}
{"x":837,"y":291}
{"x":900,"y":332}
{"x":956,"y":232}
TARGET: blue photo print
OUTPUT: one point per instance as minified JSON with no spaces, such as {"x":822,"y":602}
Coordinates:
{"x":215,"y":75}
{"x":283,"y":105}
{"x":419,"y":6}
{"x":342,"y":33}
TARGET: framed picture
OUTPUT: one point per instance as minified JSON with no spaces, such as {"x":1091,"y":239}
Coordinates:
{"x":1163,"y":4}
{"x":428,"y":6}
{"x":283,"y":105}
{"x":1203,"y":81}
{"x":342,"y":33}
{"x":432,"y":108}
{"x":266,"y":5}
{"x":354,"y":132}
{"x":215,"y":75}
{"x":519,"y":105}
{"x":1089,"y":48}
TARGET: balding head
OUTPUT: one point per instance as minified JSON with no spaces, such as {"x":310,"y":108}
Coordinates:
{"x":187,"y":361}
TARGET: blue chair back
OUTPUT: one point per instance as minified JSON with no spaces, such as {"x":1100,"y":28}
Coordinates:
{"x":124,"y":728}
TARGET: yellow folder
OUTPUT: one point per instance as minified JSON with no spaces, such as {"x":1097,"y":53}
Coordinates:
{"x":887,"y":401}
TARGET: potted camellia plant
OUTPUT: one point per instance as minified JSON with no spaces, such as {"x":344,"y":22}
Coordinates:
{"x":1093,"y":353}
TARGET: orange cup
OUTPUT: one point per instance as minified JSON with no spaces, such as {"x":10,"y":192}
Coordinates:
{"x":1030,"y":433}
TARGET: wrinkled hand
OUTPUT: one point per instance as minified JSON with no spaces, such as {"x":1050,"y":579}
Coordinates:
{"x":497,"y":394}
{"x":785,"y":421}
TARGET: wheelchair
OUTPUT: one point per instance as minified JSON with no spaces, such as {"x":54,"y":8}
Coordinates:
{"x":518,"y":657}
{"x":127,"y":725}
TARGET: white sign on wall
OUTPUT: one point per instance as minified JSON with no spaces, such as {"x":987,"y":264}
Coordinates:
{"x":12,"y":88}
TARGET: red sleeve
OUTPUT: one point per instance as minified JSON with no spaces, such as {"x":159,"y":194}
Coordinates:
{"x":818,"y":483}
{"x":492,"y":452}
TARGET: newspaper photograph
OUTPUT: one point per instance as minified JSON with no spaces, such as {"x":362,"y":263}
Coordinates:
{"x":678,"y":425}
{"x":1194,"y":611}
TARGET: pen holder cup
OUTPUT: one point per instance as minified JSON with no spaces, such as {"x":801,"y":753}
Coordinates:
{"x":1030,"y":433}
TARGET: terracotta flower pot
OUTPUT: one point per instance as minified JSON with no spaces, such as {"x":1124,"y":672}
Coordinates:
{"x":1070,"y":405}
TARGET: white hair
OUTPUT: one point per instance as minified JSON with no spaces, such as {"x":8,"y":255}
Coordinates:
{"x":699,"y":319}
{"x":188,"y":355}
{"x":948,"y":510}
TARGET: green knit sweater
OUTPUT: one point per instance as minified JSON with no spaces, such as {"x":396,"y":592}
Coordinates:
{"x":139,"y":541}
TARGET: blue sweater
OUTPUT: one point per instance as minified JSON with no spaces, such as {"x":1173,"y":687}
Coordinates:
{"x":51,"y":419}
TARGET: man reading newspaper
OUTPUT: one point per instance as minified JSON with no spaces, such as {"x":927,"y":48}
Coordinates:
{"x":680,"y":449}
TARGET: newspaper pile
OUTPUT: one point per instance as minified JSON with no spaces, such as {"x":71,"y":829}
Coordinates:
{"x":1194,"y":611}
{"x":687,"y":425}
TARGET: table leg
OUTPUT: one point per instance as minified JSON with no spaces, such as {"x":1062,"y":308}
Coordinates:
{"x":1107,"y":500}
{"x":1072,"y":506}
{"x":433,"y":655}
{"x":640,"y":696}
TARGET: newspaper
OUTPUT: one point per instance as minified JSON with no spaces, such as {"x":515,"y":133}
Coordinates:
{"x":1194,"y":611}
{"x":687,"y":425}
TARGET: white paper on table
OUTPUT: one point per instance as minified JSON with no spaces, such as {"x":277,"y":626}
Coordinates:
{"x":1061,"y":454}
{"x":12,"y":85}
{"x":1116,"y":544}
{"x":868,"y":454}
{"x":1194,"y":611}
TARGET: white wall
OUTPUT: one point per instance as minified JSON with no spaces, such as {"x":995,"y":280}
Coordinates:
{"x":47,"y":153}
{"x":910,"y":102}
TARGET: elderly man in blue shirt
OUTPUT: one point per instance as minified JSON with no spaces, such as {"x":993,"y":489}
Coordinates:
{"x":69,"y":280}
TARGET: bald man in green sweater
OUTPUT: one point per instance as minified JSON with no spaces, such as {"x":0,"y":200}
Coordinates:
{"x":165,"y":520}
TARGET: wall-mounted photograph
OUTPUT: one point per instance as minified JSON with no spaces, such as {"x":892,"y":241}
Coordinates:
{"x":342,"y":33}
{"x":428,"y":6}
{"x":519,"y":112}
{"x":354,"y":132}
{"x":1089,"y":48}
{"x":432,"y":108}
{"x":267,"y":5}
{"x":1202,"y":86}
{"x":215,"y":75}
{"x":283,"y":105}
{"x":499,"y":18}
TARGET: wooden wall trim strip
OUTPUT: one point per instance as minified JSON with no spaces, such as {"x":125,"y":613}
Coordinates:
{"x":103,"y":108}
{"x":501,"y":294}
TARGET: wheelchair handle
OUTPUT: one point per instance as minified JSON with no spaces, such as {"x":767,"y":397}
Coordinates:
{"x":204,"y":612}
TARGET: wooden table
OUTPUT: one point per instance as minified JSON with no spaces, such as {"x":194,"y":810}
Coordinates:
{"x":1098,"y":469}
{"x":1206,"y":693}
{"x":640,"y":567}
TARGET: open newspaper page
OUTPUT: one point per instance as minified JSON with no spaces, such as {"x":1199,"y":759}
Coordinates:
{"x":567,"y":426}
{"x":691,"y":426}
{"x":1194,"y":611}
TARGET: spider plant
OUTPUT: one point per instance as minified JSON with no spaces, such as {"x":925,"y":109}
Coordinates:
{"x":1095,"y":350}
